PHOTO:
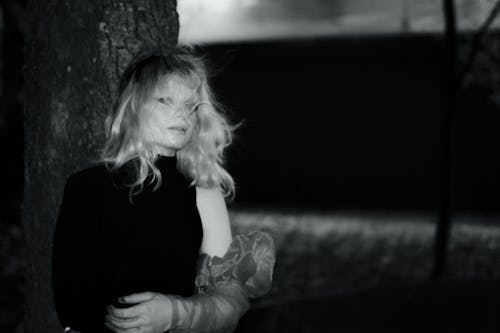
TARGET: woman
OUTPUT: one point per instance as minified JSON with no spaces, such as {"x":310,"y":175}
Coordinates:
{"x":143,"y":241}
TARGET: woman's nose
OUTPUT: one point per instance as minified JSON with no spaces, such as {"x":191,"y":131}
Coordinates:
{"x":179,"y":113}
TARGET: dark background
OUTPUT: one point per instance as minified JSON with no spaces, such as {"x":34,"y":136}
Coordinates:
{"x":354,"y":122}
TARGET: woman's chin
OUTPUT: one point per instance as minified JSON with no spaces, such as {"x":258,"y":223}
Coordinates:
{"x":172,"y":147}
{"x":166,"y":152}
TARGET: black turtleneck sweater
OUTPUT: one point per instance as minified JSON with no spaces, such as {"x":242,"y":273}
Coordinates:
{"x":106,"y":246}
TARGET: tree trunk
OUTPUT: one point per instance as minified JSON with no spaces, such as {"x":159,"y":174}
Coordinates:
{"x":447,"y":171}
{"x":75,"y":52}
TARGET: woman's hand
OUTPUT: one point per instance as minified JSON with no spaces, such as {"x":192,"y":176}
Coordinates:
{"x":152,"y":313}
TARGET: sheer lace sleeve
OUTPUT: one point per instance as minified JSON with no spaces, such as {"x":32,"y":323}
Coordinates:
{"x":225,"y":284}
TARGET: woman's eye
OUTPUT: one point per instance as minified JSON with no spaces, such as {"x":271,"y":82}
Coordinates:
{"x":162,"y":100}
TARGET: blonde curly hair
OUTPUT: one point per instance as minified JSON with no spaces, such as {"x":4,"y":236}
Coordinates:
{"x":201,"y":159}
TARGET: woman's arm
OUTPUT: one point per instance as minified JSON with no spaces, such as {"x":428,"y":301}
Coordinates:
{"x":229,"y":272}
{"x":76,"y":255}
{"x":220,"y":309}
{"x":215,"y":220}
{"x":225,"y":269}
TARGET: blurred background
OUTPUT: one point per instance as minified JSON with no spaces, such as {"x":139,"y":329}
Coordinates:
{"x":351,"y":125}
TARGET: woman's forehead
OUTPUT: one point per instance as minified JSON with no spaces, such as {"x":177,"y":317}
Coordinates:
{"x":177,"y":87}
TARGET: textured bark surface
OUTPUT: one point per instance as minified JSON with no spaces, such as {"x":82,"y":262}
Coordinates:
{"x":75,"y":52}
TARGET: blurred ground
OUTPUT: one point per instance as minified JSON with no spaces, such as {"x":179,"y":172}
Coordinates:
{"x":446,"y":306}
{"x":352,"y":272}
{"x":348,"y":252}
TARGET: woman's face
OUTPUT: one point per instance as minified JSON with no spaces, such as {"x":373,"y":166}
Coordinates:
{"x":169,"y":115}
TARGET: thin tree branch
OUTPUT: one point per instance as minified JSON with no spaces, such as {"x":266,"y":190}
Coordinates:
{"x":476,"y":44}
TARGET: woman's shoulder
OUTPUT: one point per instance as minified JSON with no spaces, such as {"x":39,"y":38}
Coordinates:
{"x":89,"y":176}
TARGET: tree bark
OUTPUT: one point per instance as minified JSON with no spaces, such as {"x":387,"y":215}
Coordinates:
{"x":75,"y":52}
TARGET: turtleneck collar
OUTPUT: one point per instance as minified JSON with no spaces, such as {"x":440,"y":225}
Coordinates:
{"x":164,"y":162}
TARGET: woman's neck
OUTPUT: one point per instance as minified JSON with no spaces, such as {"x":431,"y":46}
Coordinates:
{"x":166,"y":152}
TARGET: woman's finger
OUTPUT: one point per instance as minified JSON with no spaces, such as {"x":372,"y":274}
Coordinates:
{"x":125,"y":323}
{"x":137,"y":298}
{"x":127,"y":313}
{"x":120,"y":330}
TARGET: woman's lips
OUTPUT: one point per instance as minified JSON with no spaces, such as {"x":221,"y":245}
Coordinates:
{"x":179,"y":129}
